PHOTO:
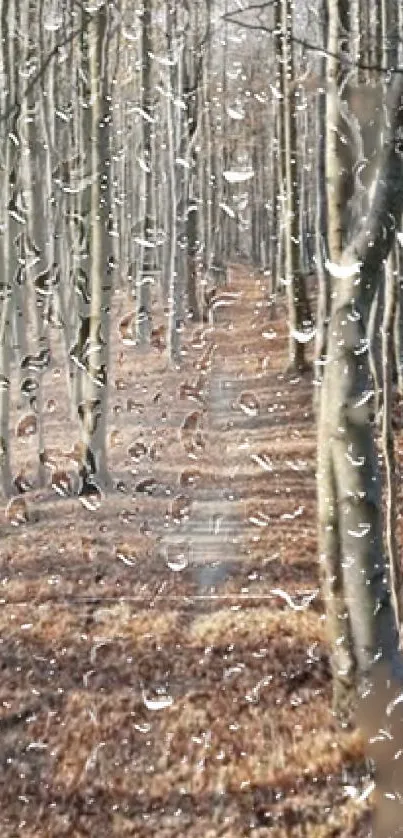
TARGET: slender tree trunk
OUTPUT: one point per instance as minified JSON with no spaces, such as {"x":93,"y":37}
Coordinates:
{"x":177,"y":190}
{"x":388,"y":436}
{"x":375,"y":347}
{"x":321,"y":231}
{"x":398,"y":324}
{"x":145,"y":272}
{"x":336,"y":173}
{"x":9,"y":68}
{"x":298,"y":308}
{"x":95,"y":406}
{"x":193,"y":76}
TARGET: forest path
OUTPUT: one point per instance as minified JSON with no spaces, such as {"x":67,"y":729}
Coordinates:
{"x":164,"y":660}
{"x":244,"y":428}
{"x":212,"y":535}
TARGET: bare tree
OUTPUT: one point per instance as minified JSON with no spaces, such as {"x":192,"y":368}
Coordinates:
{"x":10,"y":152}
{"x":298,"y":307}
{"x":361,"y":618}
{"x":95,"y":327}
{"x":144,"y":273}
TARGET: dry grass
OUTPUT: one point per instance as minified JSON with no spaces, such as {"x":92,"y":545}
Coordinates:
{"x":133,"y":703}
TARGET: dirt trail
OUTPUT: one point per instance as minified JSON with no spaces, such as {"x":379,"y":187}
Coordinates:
{"x":164,"y":663}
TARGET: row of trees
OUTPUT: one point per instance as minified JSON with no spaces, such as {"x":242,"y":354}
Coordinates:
{"x":145,"y":145}
{"x":136,"y":154}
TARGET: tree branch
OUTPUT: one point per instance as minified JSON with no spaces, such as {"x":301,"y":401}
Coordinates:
{"x":16,"y":106}
{"x":308,"y":45}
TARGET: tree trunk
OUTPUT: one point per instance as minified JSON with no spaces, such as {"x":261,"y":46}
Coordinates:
{"x":146,"y":263}
{"x":94,"y":414}
{"x":349,"y":491}
{"x":295,"y":281}
{"x":388,"y":444}
{"x":321,"y":238}
{"x":398,"y":324}
{"x":9,"y":60}
{"x":178,"y":186}
{"x":375,"y":347}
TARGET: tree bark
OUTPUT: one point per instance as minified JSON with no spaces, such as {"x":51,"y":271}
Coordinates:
{"x":388,"y":444}
{"x":9,"y":56}
{"x":94,"y":413}
{"x":295,"y":281}
{"x":144,"y":276}
{"x":349,"y":490}
{"x":321,"y":239}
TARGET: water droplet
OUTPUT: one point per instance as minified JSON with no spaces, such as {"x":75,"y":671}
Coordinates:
{"x":177,"y":556}
{"x":233,"y":113}
{"x":228,"y":211}
{"x":365,"y":398}
{"x":125,"y":555}
{"x":127,"y":329}
{"x":342,"y":271}
{"x":160,"y":701}
{"x":27,"y":426}
{"x":289,"y":516}
{"x":305,"y":601}
{"x":16,"y":512}
{"x":137,"y":450}
{"x":90,"y":495}
{"x":357,"y":462}
{"x":146,"y":486}
{"x":179,"y":508}
{"x":303,"y":336}
{"x":61,"y":483}
{"x":249,"y":404}
{"x":239,"y":176}
{"x":263,"y":461}
{"x":361,"y":532}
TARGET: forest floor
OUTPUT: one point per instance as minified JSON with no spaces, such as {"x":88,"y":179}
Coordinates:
{"x":163,"y":656}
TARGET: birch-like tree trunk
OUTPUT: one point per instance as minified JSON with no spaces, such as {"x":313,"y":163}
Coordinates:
{"x":298,"y":307}
{"x":336,"y":172}
{"x":146,"y":261}
{"x":388,"y":435}
{"x":8,"y":66}
{"x":193,"y":66}
{"x":398,"y":323}
{"x":179,"y":180}
{"x":94,"y":412}
{"x":321,"y":237}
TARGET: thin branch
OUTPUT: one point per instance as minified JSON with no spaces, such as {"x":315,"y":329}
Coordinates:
{"x":271,"y":30}
{"x":254,"y":7}
{"x":16,"y":106}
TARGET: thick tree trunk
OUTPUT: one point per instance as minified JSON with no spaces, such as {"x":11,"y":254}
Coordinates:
{"x":349,"y":491}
